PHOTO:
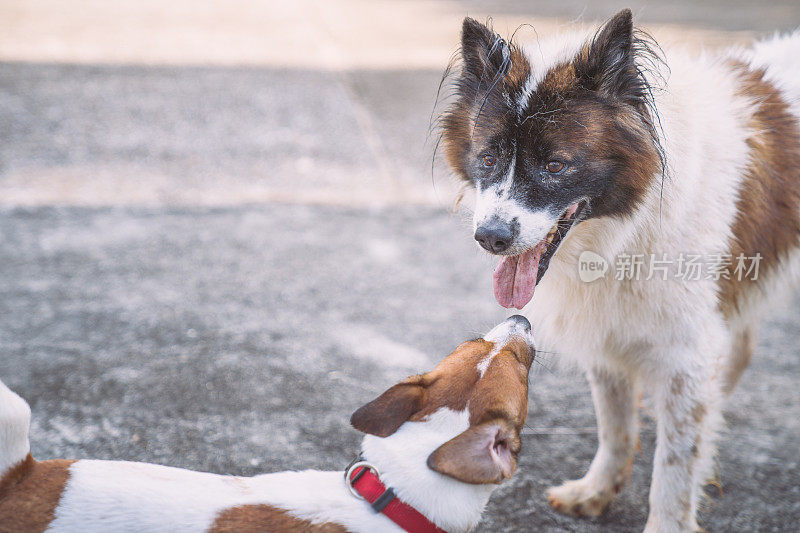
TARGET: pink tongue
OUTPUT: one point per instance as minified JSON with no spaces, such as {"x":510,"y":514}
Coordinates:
{"x":515,"y":277}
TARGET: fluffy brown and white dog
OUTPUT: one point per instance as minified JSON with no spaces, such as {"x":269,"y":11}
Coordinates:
{"x":605,"y":143}
{"x":441,"y":441}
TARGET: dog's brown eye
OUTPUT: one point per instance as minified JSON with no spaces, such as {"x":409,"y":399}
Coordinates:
{"x":489,"y":160}
{"x":555,"y":167}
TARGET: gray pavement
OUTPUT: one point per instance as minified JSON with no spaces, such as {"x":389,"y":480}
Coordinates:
{"x":239,"y":340}
{"x":212,"y":266}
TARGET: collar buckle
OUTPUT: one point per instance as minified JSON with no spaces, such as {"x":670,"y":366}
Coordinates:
{"x":349,"y":479}
{"x":382,"y":499}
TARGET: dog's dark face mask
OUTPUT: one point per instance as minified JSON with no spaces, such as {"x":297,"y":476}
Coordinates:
{"x":546,"y":150}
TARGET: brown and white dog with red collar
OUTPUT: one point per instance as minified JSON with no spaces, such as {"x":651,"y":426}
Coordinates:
{"x":441,"y":441}
{"x":601,"y":144}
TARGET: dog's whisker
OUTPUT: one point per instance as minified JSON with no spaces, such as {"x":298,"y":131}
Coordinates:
{"x":563,"y":430}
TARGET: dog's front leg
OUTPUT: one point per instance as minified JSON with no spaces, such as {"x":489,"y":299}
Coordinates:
{"x":686,"y":405}
{"x":616,"y":407}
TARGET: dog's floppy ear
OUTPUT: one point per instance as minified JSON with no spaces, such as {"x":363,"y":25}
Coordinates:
{"x":485,"y":453}
{"x":609,"y":66}
{"x":482,"y":50}
{"x":383,"y":415}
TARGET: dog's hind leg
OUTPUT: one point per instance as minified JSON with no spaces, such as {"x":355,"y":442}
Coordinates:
{"x":616,"y":406}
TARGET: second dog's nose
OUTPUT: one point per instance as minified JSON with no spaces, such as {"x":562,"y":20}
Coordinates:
{"x":520,"y":321}
{"x":494,"y":236}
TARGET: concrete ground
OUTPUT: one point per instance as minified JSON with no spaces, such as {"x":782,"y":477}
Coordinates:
{"x":219,"y":235}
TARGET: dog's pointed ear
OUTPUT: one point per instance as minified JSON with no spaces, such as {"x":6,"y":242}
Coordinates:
{"x":385,"y":414}
{"x":481,"y":49}
{"x":608,"y":63}
{"x":485,"y":453}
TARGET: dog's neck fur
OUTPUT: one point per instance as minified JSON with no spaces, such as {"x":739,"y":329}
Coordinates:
{"x":401,"y":460}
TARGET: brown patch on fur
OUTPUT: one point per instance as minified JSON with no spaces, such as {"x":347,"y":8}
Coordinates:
{"x":620,"y":135}
{"x":498,"y":406}
{"x":266,"y":519}
{"x":677,"y":384}
{"x":768,"y":217}
{"x":462,"y":127}
{"x":698,"y":413}
{"x":383,"y":415}
{"x":15,"y":474}
{"x":29,"y":494}
{"x":743,"y":345}
{"x":503,"y":389}
{"x":565,"y":118}
{"x":497,"y":400}
{"x":454,"y":383}
{"x":519,"y":72}
{"x":559,"y":79}
{"x":450,"y":385}
{"x":457,"y":139}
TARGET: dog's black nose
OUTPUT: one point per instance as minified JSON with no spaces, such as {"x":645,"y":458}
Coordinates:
{"x":494,"y":235}
{"x":520,"y":321}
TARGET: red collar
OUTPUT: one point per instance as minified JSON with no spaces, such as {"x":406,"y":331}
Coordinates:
{"x":364,"y":482}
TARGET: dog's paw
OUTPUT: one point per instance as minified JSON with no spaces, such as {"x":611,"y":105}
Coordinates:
{"x":580,"y":498}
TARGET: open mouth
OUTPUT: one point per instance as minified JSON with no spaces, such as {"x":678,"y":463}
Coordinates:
{"x":516,"y":276}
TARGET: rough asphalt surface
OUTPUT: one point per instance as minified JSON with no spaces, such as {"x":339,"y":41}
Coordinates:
{"x":239,"y":339}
